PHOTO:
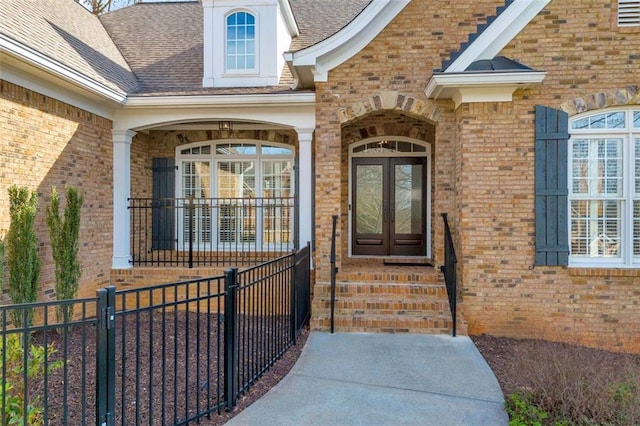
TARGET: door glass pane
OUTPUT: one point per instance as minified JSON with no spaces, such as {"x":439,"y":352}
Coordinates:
{"x":236,"y":217}
{"x":408,"y":198}
{"x":369,"y":199}
{"x":277,"y":213}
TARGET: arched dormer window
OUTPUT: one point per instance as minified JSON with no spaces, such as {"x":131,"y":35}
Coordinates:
{"x":240,"y":36}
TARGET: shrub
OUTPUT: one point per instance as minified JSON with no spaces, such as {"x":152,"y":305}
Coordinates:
{"x":22,"y":251}
{"x":64,"y":234}
{"x":12,"y":394}
{"x":575,"y":385}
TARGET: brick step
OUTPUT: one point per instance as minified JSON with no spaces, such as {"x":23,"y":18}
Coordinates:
{"x":420,"y":276}
{"x":390,"y":305}
{"x":402,"y":290}
{"x":425,"y":324}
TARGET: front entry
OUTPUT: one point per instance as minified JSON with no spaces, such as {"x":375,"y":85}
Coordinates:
{"x":389,"y":206}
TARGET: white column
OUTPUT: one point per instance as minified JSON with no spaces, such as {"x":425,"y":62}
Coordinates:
{"x":305,"y":197}
{"x":121,"y":193}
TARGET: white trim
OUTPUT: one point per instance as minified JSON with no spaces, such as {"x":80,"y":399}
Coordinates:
{"x":121,"y":193}
{"x":501,"y":31}
{"x":38,"y":80}
{"x":33,"y":57}
{"x":305,"y":185}
{"x":481,"y":87}
{"x":289,"y":18}
{"x":286,"y":110}
{"x":251,"y":100}
{"x":314,"y":63}
{"x":428,"y":212}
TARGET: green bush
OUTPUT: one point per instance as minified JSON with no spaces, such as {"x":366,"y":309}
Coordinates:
{"x":22,"y":251}
{"x":12,"y":364}
{"x":64,"y":232}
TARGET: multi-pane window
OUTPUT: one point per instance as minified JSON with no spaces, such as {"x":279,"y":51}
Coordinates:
{"x":243,"y":193}
{"x":604,"y":190}
{"x":240,"y":42}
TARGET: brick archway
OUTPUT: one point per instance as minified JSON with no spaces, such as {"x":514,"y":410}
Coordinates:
{"x":629,"y":95}
{"x":392,"y":100}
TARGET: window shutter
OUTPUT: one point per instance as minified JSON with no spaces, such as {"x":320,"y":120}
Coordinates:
{"x":628,"y":13}
{"x":163,"y":213}
{"x":552,"y":222}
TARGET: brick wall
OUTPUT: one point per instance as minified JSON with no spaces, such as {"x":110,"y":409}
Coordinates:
{"x":45,"y":142}
{"x":484,"y":165}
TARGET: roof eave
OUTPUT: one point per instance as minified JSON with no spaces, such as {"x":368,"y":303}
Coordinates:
{"x":289,"y":18}
{"x":313,"y":63}
{"x":25,"y":54}
{"x":470,"y":87}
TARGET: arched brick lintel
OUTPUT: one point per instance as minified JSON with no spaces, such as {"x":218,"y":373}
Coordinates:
{"x":392,"y":100}
{"x":629,"y":95}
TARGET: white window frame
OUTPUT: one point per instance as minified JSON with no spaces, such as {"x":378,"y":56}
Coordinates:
{"x":383,"y":154}
{"x":628,"y":13}
{"x":628,"y":134}
{"x":256,"y":48}
{"x":214,"y":159}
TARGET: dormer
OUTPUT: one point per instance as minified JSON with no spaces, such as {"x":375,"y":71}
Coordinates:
{"x":244,"y":41}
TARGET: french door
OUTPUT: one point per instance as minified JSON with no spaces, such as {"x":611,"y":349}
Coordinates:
{"x":389,"y":206}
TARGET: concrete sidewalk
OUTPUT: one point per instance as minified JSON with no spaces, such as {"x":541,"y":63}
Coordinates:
{"x":383,"y":379}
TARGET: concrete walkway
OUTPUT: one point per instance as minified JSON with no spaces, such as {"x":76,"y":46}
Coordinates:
{"x":383,"y":379}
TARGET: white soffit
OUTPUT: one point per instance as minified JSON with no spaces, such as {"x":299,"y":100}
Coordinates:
{"x":314,"y":63}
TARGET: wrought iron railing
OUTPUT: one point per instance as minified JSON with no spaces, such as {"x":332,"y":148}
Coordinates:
{"x":168,"y":354}
{"x":192,"y":231}
{"x":449,"y":271}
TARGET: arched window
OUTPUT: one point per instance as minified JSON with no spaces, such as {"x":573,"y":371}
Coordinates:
{"x":247,"y":188}
{"x":240,"y":42}
{"x":604,"y":188}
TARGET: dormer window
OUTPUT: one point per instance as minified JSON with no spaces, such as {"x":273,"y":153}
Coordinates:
{"x":241,"y":42}
{"x":244,"y":42}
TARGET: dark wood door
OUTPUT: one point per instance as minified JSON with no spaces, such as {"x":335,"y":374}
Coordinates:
{"x":389,"y":206}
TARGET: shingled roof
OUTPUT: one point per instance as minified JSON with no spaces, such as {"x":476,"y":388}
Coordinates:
{"x":150,"y":48}
{"x":64,"y":31}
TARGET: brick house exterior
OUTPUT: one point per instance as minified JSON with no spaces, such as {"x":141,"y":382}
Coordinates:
{"x":459,"y":84}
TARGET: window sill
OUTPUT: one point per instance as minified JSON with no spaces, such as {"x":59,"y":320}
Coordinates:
{"x":604,"y":271}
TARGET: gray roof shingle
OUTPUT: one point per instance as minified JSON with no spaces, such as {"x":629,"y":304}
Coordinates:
{"x":66,"y":32}
{"x":150,"y":48}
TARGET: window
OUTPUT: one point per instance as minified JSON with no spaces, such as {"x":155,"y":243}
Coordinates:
{"x":604,"y":188}
{"x":241,"y":42}
{"x":628,"y":13}
{"x":243,"y":193}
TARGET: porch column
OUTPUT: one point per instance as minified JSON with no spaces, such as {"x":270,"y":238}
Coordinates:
{"x":305,"y":197}
{"x":121,"y":192}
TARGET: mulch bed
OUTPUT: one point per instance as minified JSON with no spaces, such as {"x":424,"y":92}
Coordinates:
{"x":168,"y":370}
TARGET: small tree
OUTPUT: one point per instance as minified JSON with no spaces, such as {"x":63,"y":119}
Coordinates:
{"x":64,"y":234}
{"x":22,"y":252}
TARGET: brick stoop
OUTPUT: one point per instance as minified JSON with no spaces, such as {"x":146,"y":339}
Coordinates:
{"x":412,"y":303}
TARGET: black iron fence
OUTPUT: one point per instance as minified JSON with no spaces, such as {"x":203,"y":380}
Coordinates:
{"x":449,"y":270}
{"x":192,"y":231}
{"x":168,"y":354}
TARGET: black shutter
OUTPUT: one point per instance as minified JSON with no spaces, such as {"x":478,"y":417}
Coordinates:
{"x":163,"y":213}
{"x":552,"y":222}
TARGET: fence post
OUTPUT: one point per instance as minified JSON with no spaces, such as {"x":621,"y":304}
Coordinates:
{"x":230,"y":338}
{"x":105,"y":357}
{"x":191,"y":218}
{"x":293,"y":297}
